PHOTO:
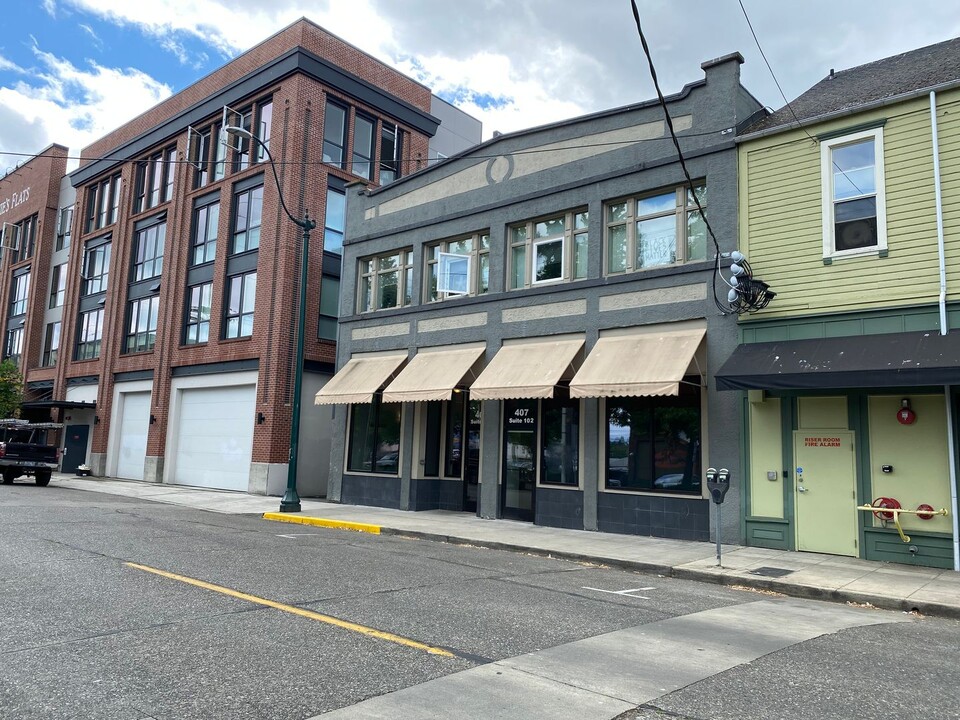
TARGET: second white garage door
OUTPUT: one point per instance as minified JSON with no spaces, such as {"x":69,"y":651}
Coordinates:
{"x":134,"y":426}
{"x":215,"y":437}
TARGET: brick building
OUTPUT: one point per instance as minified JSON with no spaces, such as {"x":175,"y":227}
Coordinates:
{"x":180,"y":295}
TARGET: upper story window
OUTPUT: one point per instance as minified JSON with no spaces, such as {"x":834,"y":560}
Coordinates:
{"x":13,"y":348}
{"x":391,"y":152}
{"x":58,"y":285}
{"x":142,"y":315}
{"x":96,"y":269}
{"x":655,"y":230}
{"x":103,"y":203}
{"x":386,"y":281}
{"x":247,"y":216}
{"x":363,"y":129}
{"x":241,"y":299}
{"x":89,"y":334}
{"x":196,"y":327}
{"x":334,"y":221}
{"x":153,"y":183}
{"x":334,"y":134}
{"x":210,"y":149}
{"x":20,"y":239}
{"x":148,"y":252}
{"x":256,"y":119}
{"x":329,"y":307}
{"x":19,"y":292}
{"x":854,"y":212}
{"x":458,"y":267}
{"x":64,"y":224}
{"x":552,"y":249}
{"x":51,"y":344}
{"x":206,"y":219}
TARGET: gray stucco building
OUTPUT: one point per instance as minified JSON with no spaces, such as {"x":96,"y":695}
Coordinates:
{"x":528,"y":330}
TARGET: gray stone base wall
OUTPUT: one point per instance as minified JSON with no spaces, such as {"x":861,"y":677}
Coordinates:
{"x":559,"y":508}
{"x":366,"y":490}
{"x":436,"y":494}
{"x":98,"y":464}
{"x":153,"y":468}
{"x":667,"y":517}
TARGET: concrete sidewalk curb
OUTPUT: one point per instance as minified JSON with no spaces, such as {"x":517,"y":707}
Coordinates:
{"x":798,"y":590}
{"x":323,"y":522}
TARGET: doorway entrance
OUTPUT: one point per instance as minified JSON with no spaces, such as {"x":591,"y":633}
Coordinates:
{"x":518,"y":489}
{"x":825,"y":502}
{"x":75,"y":439}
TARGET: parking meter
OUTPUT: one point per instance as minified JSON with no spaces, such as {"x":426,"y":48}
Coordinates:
{"x":718,"y":482}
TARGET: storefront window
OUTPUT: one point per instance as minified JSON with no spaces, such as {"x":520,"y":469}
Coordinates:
{"x":374,"y":439}
{"x":560,"y":422}
{"x":453,"y":455}
{"x":653,"y":444}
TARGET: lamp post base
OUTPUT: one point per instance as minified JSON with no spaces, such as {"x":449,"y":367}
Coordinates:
{"x":290,"y":502}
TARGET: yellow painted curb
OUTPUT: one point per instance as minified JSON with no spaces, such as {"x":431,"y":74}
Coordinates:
{"x":323,"y":522}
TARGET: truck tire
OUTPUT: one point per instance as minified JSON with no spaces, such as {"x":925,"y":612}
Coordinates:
{"x":8,"y":476}
{"x":43,"y":479}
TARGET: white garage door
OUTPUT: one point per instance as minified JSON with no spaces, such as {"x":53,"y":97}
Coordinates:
{"x":215,"y":437}
{"x":134,"y":426}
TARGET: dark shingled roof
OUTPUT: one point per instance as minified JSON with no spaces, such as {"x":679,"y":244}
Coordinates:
{"x":867,"y":84}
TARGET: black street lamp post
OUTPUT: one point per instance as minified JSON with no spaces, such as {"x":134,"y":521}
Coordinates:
{"x":291,"y":500}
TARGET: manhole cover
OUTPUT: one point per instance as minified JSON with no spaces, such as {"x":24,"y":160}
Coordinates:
{"x":771,"y":572}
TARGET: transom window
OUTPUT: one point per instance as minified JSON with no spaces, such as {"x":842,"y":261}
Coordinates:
{"x":247,"y":211}
{"x":655,"y":230}
{"x":154,"y":179}
{"x":854,"y":212}
{"x":458,"y":267}
{"x":197,"y":325}
{"x":552,"y":249}
{"x":241,"y":298}
{"x":386,"y":281}
{"x":148,"y":252}
{"x":206,"y":218}
{"x":142,"y":317}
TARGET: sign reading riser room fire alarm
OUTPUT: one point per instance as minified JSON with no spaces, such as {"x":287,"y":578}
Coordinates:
{"x":824,"y":482}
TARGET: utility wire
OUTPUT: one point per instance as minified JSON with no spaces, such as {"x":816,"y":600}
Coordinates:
{"x":680,"y":158}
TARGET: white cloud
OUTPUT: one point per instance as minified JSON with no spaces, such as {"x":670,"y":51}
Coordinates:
{"x":59,"y":102}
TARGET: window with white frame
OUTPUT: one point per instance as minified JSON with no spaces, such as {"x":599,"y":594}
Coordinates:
{"x":653,"y":230}
{"x":851,"y":176}
{"x":549,"y":250}
{"x":386,"y":281}
{"x":457,"y":267}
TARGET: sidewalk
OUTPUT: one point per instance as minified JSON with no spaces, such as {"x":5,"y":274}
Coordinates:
{"x":807,"y":575}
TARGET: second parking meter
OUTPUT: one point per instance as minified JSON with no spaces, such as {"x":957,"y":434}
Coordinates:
{"x":718,"y":482}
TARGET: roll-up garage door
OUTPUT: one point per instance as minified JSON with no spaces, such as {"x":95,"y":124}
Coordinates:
{"x":215,"y":437}
{"x":134,"y":426}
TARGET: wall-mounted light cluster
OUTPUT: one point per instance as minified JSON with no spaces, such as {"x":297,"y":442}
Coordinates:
{"x":747,"y":294}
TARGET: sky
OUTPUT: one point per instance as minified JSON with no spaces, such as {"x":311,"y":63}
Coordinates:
{"x":72,"y":70}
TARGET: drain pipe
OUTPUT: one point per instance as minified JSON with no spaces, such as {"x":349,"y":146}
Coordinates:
{"x":951,"y":439}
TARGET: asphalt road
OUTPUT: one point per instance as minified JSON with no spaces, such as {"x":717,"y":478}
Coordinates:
{"x":262,"y":620}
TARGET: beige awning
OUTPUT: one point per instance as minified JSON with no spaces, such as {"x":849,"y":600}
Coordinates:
{"x":432,"y":375}
{"x":359,"y":379}
{"x":526,"y":370}
{"x":647,"y":364}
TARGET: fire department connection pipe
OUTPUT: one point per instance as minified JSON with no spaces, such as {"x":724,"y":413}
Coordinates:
{"x":951,"y":439}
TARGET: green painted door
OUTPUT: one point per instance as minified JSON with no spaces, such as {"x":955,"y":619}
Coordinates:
{"x":825,"y":501}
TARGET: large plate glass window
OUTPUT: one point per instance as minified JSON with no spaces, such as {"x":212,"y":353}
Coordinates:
{"x":653,"y":443}
{"x":560,"y":442}
{"x":549,"y":250}
{"x":854,"y":212}
{"x":374,"y":439}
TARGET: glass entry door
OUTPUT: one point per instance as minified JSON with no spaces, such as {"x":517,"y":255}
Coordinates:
{"x":519,"y":459}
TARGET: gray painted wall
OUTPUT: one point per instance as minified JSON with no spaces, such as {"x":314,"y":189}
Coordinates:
{"x":490,"y":188}
{"x":458,"y":131}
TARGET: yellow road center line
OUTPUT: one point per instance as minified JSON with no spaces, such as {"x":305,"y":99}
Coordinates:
{"x":346,"y":625}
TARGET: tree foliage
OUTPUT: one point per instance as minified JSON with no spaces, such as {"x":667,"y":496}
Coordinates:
{"x":11,"y":389}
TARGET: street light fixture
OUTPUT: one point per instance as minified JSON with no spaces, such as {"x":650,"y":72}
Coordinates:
{"x":291,"y":500}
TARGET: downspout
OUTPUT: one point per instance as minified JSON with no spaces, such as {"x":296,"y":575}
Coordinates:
{"x":951,"y":440}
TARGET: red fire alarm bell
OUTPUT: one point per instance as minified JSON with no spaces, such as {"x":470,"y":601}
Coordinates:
{"x":906,"y":416}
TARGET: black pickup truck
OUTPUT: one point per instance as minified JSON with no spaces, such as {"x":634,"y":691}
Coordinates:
{"x":25,"y":450}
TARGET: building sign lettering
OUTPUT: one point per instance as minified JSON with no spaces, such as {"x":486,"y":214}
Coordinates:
{"x":11,"y":201}
{"x":821,"y":442}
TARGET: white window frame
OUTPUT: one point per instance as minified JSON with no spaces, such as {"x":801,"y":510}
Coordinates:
{"x":479,"y":260}
{"x":445,"y":262}
{"x":528,"y":242}
{"x":563,"y":264}
{"x":827,"y":200}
